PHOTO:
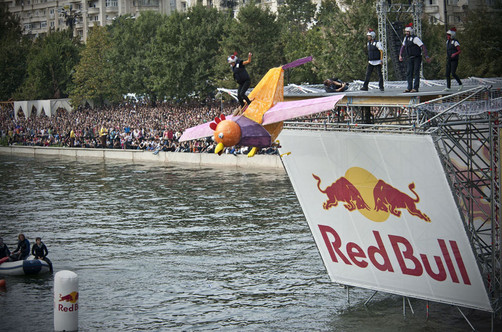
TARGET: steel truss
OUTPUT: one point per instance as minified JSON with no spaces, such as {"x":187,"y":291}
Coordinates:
{"x":466,"y":128}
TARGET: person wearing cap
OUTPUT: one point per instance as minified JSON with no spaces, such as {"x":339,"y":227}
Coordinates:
{"x":412,"y":48}
{"x":375,"y":56}
{"x":452,"y":53}
{"x":241,"y":76}
{"x":4,"y":250}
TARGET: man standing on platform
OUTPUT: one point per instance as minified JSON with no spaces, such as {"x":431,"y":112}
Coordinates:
{"x":241,"y":76}
{"x":452,"y":52}
{"x":375,"y":56}
{"x":412,"y":48}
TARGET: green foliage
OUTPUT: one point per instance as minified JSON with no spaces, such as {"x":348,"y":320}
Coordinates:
{"x":133,"y":47}
{"x":297,"y":40}
{"x":49,"y":66}
{"x":296,"y":14}
{"x":184,"y":53}
{"x":481,"y":44}
{"x":434,"y":38}
{"x":13,"y":51}
{"x":343,"y":41}
{"x":94,"y":77}
{"x":256,"y":31}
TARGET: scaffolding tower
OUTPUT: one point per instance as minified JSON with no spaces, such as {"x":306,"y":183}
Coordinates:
{"x":383,"y":8}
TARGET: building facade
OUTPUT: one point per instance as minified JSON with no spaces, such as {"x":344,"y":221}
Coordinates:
{"x":452,"y":11}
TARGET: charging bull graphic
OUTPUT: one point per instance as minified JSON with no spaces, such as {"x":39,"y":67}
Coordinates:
{"x":72,"y":297}
{"x":389,"y":199}
{"x":374,"y":198}
{"x":342,"y":191}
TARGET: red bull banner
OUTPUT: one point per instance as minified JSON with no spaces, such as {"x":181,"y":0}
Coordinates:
{"x":383,"y":215}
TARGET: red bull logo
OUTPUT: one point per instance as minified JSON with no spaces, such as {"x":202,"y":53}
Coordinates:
{"x":409,"y":261}
{"x":374,"y":198}
{"x":69,"y":298}
{"x":72,"y":297}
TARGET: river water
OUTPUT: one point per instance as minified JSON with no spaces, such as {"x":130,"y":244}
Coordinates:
{"x":181,"y":248}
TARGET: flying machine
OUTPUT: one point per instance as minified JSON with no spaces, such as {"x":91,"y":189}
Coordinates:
{"x":258,"y":124}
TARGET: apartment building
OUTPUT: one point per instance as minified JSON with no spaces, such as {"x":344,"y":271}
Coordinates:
{"x":452,"y":11}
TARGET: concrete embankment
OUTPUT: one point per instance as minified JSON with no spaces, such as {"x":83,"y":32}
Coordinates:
{"x":139,"y":156}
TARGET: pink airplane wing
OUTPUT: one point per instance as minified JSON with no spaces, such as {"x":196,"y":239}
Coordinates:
{"x":288,"y":110}
{"x":200,"y":131}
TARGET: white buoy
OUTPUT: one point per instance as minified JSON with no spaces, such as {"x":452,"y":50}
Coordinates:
{"x":66,"y":301}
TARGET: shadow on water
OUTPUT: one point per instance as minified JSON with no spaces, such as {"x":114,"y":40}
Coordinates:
{"x":159,"y":247}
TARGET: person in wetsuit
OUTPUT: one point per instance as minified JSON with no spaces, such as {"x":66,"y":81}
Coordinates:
{"x":23,"y":248}
{"x":39,"y":250}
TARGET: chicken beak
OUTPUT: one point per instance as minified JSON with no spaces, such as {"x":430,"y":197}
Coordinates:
{"x":219,"y":148}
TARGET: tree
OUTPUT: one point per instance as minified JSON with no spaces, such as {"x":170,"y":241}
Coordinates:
{"x":434,"y":38}
{"x":255,"y":30}
{"x":50,"y":63}
{"x":297,"y":14}
{"x":94,"y":77}
{"x":133,"y":44}
{"x":297,"y":39}
{"x":13,"y":50}
{"x":185,"y":50}
{"x":344,"y":38}
{"x":481,"y":44}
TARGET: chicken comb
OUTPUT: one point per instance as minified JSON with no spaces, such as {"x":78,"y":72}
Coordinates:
{"x":217,"y":120}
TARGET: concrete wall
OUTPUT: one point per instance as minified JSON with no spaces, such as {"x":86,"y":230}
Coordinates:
{"x":205,"y":159}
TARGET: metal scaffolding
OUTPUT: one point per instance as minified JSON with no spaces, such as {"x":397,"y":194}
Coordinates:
{"x":466,"y":127}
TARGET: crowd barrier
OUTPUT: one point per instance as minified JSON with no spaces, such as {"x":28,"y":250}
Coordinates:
{"x":140,"y":156}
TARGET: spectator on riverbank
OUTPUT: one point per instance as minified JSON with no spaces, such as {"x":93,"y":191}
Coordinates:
{"x":127,"y":125}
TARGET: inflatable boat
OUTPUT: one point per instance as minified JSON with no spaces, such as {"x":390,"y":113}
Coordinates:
{"x":24,"y":267}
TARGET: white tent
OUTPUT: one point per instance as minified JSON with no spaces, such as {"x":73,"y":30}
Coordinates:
{"x":49,"y":106}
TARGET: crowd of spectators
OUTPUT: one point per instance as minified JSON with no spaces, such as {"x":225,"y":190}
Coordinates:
{"x":131,"y":125}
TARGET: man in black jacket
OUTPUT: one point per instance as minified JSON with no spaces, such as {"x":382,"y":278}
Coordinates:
{"x":452,"y":53}
{"x":375,"y":56}
{"x":241,"y":76}
{"x":411,"y":49}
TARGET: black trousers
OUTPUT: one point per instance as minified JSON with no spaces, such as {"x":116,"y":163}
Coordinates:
{"x":451,"y":68}
{"x":413,"y":72}
{"x":241,"y":93}
{"x":369,"y":71}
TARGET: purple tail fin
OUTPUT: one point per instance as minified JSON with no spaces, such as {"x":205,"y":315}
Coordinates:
{"x":297,"y":63}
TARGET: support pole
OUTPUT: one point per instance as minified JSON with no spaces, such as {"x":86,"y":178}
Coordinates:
{"x":472,"y":327}
{"x":411,"y":308}
{"x":369,"y":299}
{"x":404,"y":306}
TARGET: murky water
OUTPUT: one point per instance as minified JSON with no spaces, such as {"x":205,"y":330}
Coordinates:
{"x":180,"y":248}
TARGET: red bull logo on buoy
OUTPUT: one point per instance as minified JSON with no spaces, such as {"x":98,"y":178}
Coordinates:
{"x":68,"y":298}
{"x":374,"y":198}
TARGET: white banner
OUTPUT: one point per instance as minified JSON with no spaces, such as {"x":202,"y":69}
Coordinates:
{"x":382,"y":214}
